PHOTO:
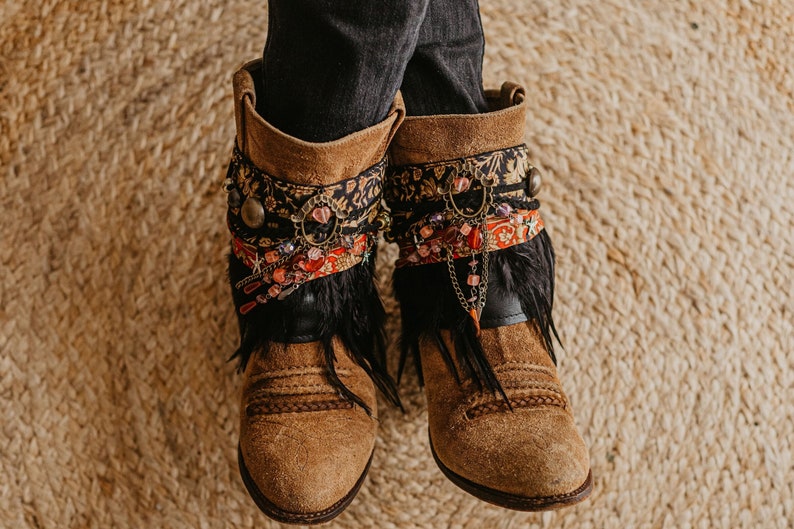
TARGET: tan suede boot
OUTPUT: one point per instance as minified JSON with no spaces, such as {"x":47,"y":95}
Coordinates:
{"x":475,"y":281}
{"x":304,"y":219}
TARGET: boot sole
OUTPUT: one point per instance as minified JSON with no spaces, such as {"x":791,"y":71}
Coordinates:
{"x":514,"y":501}
{"x":280,"y":515}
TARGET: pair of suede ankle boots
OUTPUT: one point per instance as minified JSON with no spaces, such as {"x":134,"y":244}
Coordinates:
{"x":475,"y":281}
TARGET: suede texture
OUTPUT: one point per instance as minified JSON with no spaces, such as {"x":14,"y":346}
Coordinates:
{"x":426,"y":139}
{"x":304,"y":446}
{"x":533,"y":451}
{"x":296,"y":160}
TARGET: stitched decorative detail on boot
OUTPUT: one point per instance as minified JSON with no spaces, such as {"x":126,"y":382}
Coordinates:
{"x":508,"y":168}
{"x":288,"y":234}
{"x":271,"y":408}
{"x":523,"y":402}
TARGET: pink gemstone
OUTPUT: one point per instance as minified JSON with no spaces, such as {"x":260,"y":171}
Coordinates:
{"x":322,"y":214}
{"x":314,"y":254}
{"x":473,"y":280}
{"x":426,"y":232}
{"x":435,"y":247}
{"x":465,"y":229}
{"x":518,"y":219}
{"x":274,"y":291}
{"x":272,"y":256}
{"x":461,"y":184}
{"x":423,"y":251}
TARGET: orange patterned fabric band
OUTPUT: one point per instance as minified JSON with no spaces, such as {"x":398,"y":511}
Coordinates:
{"x":503,"y":232}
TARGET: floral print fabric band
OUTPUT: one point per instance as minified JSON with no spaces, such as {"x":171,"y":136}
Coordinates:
{"x":289,"y":234}
{"x":521,"y":226}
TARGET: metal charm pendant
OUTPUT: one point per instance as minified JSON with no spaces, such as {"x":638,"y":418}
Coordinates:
{"x":321,"y":209}
{"x":458,"y":182}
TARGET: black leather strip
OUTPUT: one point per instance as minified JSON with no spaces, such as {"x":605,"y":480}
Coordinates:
{"x":502,"y":306}
{"x":302,"y":319}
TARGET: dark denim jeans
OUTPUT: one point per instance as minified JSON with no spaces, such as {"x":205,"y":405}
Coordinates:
{"x":332,"y":67}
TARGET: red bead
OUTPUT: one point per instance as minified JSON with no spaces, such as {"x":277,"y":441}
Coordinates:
{"x":473,"y":280}
{"x":312,"y":265}
{"x":272,"y":256}
{"x":274,"y":291}
{"x":451,"y":235}
{"x":426,"y":232}
{"x":245,"y":309}
{"x":423,"y":250}
{"x":250,"y":287}
{"x":279,"y":275}
{"x":475,"y":239}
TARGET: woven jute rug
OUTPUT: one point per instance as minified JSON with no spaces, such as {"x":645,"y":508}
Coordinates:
{"x":665,"y":131}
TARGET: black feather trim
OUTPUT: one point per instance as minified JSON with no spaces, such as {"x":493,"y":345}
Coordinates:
{"x":428,"y":304}
{"x":350,"y":307}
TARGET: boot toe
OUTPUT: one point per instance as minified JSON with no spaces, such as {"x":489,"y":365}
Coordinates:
{"x":306,"y":468}
{"x":532,"y":453}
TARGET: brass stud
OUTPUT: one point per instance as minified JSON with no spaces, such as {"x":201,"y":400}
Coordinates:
{"x":253,"y":213}
{"x":533,"y":182}
{"x":234,"y":198}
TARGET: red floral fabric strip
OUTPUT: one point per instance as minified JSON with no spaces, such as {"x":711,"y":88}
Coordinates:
{"x":503,"y":232}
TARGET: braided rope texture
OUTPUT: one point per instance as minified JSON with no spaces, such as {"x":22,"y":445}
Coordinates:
{"x":665,"y":133}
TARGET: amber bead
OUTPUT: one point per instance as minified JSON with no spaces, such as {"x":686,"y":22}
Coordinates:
{"x":474,"y":238}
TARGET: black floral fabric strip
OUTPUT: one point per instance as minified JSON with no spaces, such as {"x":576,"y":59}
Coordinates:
{"x":352,"y":204}
{"x":412,"y":184}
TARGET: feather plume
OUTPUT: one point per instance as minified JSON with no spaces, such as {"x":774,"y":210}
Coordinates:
{"x":428,"y":305}
{"x":351,"y":309}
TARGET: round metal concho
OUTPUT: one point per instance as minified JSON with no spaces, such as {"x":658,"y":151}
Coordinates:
{"x":234,"y":198}
{"x":253,"y":213}
{"x":533,"y":182}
